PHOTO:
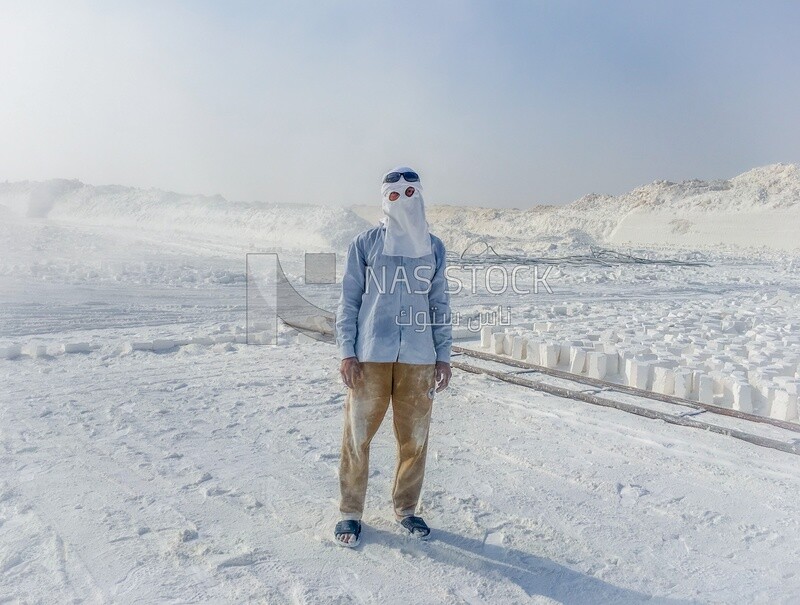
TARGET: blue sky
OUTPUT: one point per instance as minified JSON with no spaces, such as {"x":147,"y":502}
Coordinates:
{"x":495,"y":103}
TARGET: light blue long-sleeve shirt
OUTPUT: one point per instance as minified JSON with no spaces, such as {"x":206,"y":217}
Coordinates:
{"x":393,"y":308}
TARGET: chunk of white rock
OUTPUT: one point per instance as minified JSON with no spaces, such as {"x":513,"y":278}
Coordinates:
{"x":548,"y":354}
{"x":486,"y":337}
{"x":519,"y":347}
{"x":565,"y":352}
{"x":742,"y":396}
{"x":784,"y":406}
{"x":609,"y":336}
{"x":532,"y":350}
{"x":596,"y":364}
{"x":705,"y":389}
{"x":497,"y":343}
{"x":35,"y":350}
{"x":682,"y":383}
{"x":612,"y":360}
{"x":663,"y":380}
{"x":507,"y":343}
{"x":163,"y":344}
{"x":577,"y":360}
{"x":637,"y":372}
{"x":719,"y":382}
{"x":10,"y":351}
{"x":76,"y":347}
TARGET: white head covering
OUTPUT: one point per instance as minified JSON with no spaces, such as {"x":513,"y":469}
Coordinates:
{"x":406,"y":228}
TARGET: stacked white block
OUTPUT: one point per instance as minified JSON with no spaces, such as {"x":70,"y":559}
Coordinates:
{"x":508,"y":339}
{"x":532,"y":350}
{"x":705,"y":388}
{"x":498,"y":340}
{"x":663,"y":380}
{"x":519,"y":347}
{"x":597,"y":365}
{"x":637,"y":372}
{"x":486,"y":336}
{"x":682,"y":383}
{"x":739,"y":358}
{"x":577,"y":359}
{"x":548,"y":354}
{"x":742,"y":396}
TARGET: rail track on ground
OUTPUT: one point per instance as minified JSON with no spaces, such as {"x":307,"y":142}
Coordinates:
{"x":758,"y":430}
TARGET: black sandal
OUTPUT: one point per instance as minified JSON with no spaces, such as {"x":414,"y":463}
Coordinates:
{"x":416,"y":526}
{"x":348,"y":526}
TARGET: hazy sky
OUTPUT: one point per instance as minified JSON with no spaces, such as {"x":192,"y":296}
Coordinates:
{"x":496,"y":103}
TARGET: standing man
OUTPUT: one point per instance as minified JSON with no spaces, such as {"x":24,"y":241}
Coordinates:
{"x":394,"y":335}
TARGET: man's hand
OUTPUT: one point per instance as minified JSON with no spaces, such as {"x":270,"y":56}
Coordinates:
{"x":443,"y":374}
{"x":350,"y":371}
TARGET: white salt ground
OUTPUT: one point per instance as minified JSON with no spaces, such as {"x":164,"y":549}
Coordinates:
{"x":206,"y":471}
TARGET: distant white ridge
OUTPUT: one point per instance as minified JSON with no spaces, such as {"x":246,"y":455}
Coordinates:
{"x":306,"y":226}
{"x":760,"y":208}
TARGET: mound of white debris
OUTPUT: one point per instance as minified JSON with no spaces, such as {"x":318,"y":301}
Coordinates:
{"x":307,"y":226}
{"x":758,"y":208}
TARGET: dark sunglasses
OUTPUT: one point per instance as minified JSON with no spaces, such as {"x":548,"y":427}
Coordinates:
{"x":393,"y":177}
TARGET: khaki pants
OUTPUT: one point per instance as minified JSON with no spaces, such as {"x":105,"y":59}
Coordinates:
{"x":410,"y":388}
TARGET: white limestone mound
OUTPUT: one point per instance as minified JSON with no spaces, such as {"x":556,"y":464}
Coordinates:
{"x":290,"y":226}
{"x":758,"y":208}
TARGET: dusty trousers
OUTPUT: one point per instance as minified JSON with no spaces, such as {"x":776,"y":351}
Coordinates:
{"x":410,"y":387}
